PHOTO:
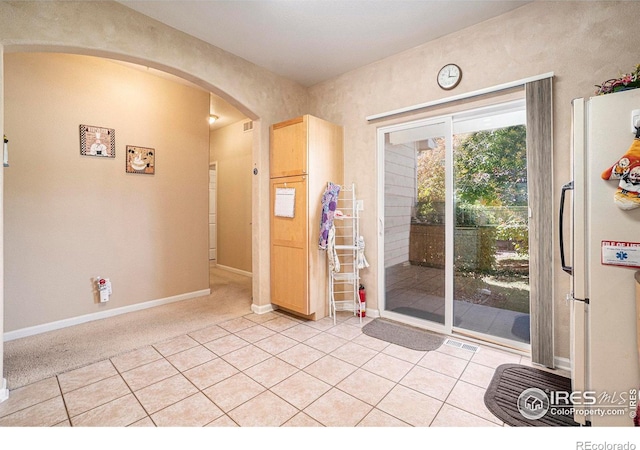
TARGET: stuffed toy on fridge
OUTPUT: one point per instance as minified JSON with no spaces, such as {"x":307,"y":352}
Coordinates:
{"x":627,"y":170}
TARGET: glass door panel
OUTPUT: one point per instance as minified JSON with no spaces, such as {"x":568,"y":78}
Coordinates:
{"x":491,"y":234}
{"x":415,"y":221}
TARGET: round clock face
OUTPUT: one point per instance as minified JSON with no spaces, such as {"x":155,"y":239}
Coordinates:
{"x":449,"y":76}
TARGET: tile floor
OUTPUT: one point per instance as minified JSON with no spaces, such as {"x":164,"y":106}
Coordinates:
{"x":268,"y":370}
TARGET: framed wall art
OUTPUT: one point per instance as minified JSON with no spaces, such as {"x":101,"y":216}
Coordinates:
{"x":140,"y":160}
{"x":97,"y":141}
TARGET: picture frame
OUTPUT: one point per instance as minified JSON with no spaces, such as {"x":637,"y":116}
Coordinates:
{"x":97,"y":141}
{"x":140,"y":160}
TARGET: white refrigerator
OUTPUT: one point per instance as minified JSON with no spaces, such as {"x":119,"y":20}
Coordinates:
{"x":597,"y":238}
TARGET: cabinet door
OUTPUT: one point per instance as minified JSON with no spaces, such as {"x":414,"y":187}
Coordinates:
{"x":289,"y":245}
{"x":289,"y":148}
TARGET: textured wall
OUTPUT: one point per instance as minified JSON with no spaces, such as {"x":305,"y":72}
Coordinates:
{"x":582,"y":43}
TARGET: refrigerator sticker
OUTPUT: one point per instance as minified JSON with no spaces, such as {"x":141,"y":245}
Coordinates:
{"x":626,"y":254}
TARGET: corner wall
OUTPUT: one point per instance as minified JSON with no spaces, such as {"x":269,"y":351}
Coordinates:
{"x":231,"y":149}
{"x":70,"y":218}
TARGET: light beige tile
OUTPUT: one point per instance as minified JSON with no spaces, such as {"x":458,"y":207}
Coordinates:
{"x":494,"y":358}
{"x":301,"y":389}
{"x":354,"y":353}
{"x":470,"y":398}
{"x":338,"y":409}
{"x":246,"y":357}
{"x":377,"y":418}
{"x":192,"y":357}
{"x":276,"y":344}
{"x":63,"y":424}
{"x":325,"y":342}
{"x":301,"y":355}
{"x":262,"y":318}
{"x":322,"y":324}
{"x":175,"y":345}
{"x":153,"y":372}
{"x":271,"y":371}
{"x":429,"y":382}
{"x":300,"y":332}
{"x":194,"y":411}
{"x":164,"y":393}
{"x":454,"y":417}
{"x":233,"y":391}
{"x":222,"y":421}
{"x":145,"y":422}
{"x":330,"y":370}
{"x":210,"y":373}
{"x":477,"y":374}
{"x":366,"y":386}
{"x":30,"y":395}
{"x":281,"y":323}
{"x":208,"y":334}
{"x":445,"y":364}
{"x":404,"y":353}
{"x":264,"y":410}
{"x":255,"y":334}
{"x":371,"y":342}
{"x":86,"y":375}
{"x":88,"y":397}
{"x":238,"y":324}
{"x":136,"y":358}
{"x":44,"y":414}
{"x":410,"y":406}
{"x":388,"y":367}
{"x":344,"y":331}
{"x":226,"y":344}
{"x":121,"y":412}
{"x":302,"y":420}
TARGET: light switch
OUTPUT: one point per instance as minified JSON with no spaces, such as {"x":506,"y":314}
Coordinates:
{"x":360,"y":205}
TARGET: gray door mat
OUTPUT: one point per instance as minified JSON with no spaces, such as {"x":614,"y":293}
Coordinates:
{"x":511,"y":380}
{"x":404,"y":335}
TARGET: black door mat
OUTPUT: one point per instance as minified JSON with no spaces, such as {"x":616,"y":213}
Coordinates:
{"x":511,"y":380}
{"x":404,"y":335}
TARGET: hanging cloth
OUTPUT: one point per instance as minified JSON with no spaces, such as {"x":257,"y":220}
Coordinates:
{"x":360,"y":258}
{"x":329,"y":205}
{"x":334,"y":262}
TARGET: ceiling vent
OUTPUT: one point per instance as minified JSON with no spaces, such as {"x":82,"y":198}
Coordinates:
{"x":247,"y":126}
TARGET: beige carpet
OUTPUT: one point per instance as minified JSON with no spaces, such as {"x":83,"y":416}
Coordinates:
{"x":35,"y":358}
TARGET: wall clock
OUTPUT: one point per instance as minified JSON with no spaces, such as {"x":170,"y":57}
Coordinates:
{"x":449,"y":76}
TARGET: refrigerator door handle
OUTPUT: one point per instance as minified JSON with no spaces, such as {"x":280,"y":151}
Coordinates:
{"x":565,"y":188}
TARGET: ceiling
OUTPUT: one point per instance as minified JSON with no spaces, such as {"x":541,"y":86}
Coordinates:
{"x":310,"y":41}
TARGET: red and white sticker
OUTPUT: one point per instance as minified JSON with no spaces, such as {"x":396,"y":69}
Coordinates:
{"x":617,"y":253}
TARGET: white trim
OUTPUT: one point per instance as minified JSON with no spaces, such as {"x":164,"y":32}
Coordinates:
{"x":4,"y":392}
{"x":562,"y":363}
{"x":257,"y":309}
{"x":489,"y":90}
{"x":38,"y":329}
{"x":234,"y":270}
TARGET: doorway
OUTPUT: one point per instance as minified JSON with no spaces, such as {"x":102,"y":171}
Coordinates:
{"x":213,"y":234}
{"x":456,"y":224}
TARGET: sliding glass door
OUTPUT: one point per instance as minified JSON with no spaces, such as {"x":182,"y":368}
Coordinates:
{"x":456,"y":223}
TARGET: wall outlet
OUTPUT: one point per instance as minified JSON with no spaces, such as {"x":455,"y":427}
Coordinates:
{"x":360,"y":205}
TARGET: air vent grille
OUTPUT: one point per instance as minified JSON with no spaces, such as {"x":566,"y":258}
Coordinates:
{"x":463,"y":346}
{"x":247,"y":126}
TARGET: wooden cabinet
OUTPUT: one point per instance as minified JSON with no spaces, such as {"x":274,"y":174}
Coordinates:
{"x":306,"y":153}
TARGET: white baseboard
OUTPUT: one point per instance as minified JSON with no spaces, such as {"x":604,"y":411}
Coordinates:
{"x":4,"y":392}
{"x":234,"y":270}
{"x":30,"y":331}
{"x":262,"y":309}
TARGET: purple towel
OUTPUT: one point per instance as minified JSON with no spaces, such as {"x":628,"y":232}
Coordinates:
{"x":329,"y":205}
